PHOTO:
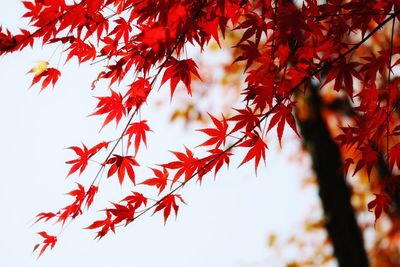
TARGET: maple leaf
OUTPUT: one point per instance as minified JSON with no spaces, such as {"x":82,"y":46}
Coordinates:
{"x":8,"y":42}
{"x":160,"y":181}
{"x":84,"y":155}
{"x":291,"y":22}
{"x":245,"y":119}
{"x":283,"y":115}
{"x":115,"y":72}
{"x":177,"y":16}
{"x":211,"y":28}
{"x":49,"y":75}
{"x":282,"y":53}
{"x":250,"y":53}
{"x":217,"y":159}
{"x":78,"y":193}
{"x":368,"y":159}
{"x":217,"y":135}
{"x":373,"y":66}
{"x":257,"y":149}
{"x":110,"y":49}
{"x":34,"y":9}
{"x":155,"y":37}
{"x":186,"y":164}
{"x":49,"y":240}
{"x":260,"y":95}
{"x":379,"y":204}
{"x":167,"y":203}
{"x":90,"y":195}
{"x":122,"y":213}
{"x":44,"y":216}
{"x":74,"y":209}
{"x":254,"y":25}
{"x":203,"y":167}
{"x":138,"y":129}
{"x":136,"y":200}
{"x":111,"y":105}
{"x":180,"y":70}
{"x":343,"y":73}
{"x":122,"y":29}
{"x":81,"y":50}
{"x":137,"y":93}
{"x":122,"y":164}
{"x":105,"y":225}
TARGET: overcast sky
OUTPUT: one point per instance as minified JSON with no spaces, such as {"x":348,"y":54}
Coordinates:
{"x":226,"y":222}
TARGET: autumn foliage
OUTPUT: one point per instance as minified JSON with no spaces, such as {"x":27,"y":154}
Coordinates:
{"x":282,"y":48}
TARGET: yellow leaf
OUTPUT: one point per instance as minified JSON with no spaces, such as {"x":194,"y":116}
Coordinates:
{"x":39,"y":68}
{"x":271,"y":240}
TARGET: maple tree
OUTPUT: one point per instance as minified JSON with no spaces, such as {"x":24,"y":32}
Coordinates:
{"x":285,"y":50}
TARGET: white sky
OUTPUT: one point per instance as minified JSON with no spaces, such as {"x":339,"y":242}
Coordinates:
{"x":225,"y":224}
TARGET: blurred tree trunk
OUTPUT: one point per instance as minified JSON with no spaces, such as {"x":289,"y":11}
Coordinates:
{"x":335,"y":194}
{"x":339,"y":215}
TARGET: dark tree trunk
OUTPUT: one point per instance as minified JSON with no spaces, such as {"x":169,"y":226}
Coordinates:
{"x":335,"y":194}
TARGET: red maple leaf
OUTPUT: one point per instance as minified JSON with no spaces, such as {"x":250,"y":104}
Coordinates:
{"x":138,"y":129}
{"x":250,"y":53}
{"x":283,"y":115}
{"x":45,"y":216}
{"x":245,"y":119}
{"x":154,"y":37}
{"x":34,"y":10}
{"x":78,"y":193}
{"x":49,"y":240}
{"x":105,"y":225}
{"x":122,"y":29}
{"x":217,"y":135}
{"x":186,"y":164}
{"x":167,"y":203}
{"x":74,"y":209}
{"x":379,"y":204}
{"x":84,"y":155}
{"x":90,"y":195}
{"x":136,"y":200}
{"x":122,"y":164}
{"x":50,"y":75}
{"x":217,"y":159}
{"x":137,"y":93}
{"x":160,"y":181}
{"x":81,"y":50}
{"x":343,"y":73}
{"x":122,"y":213}
{"x":112,"y":106}
{"x":257,"y":148}
{"x":180,"y":70}
{"x":368,"y":159}
{"x":254,"y":25}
